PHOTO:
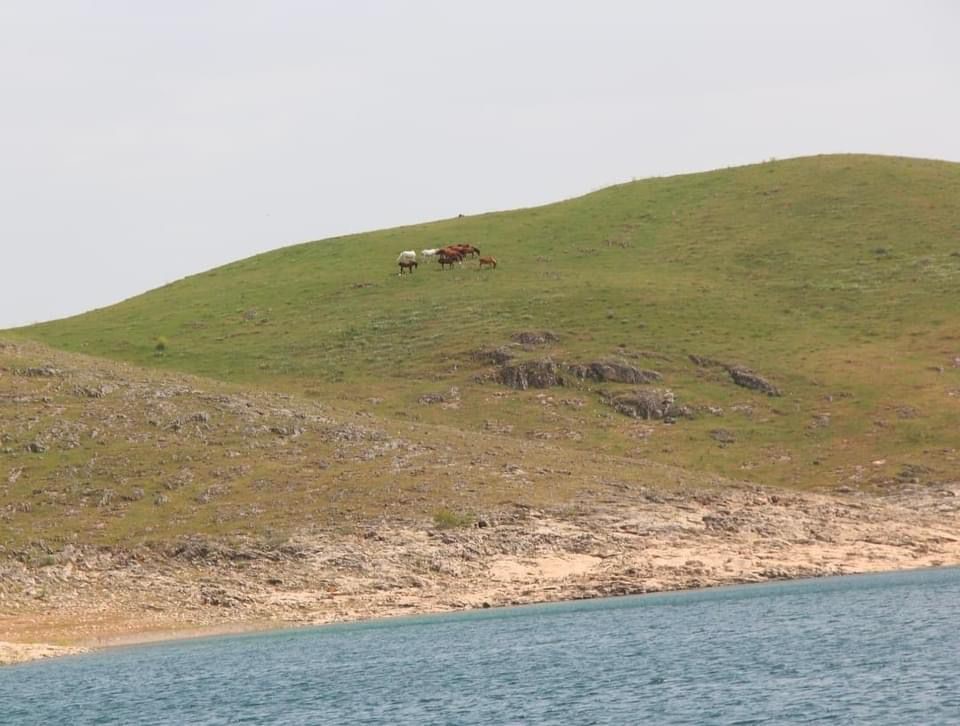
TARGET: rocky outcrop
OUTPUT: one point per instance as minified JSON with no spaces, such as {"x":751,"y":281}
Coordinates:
{"x":740,"y":375}
{"x":493,"y":356}
{"x":534,"y":338}
{"x":544,"y":373}
{"x":748,"y":379}
{"x":44,"y":371}
{"x":649,"y":404}
{"x":530,"y":374}
{"x":613,"y":372}
{"x":451,"y":396}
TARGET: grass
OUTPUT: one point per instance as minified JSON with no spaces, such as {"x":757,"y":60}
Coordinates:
{"x":99,"y":453}
{"x":447,"y":519}
{"x":836,"y":277}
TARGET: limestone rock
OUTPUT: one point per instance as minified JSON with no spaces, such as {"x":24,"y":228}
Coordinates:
{"x":530,"y":374}
{"x":535,"y":338}
{"x":748,"y":379}
{"x":648,"y":403}
{"x":614,"y":372}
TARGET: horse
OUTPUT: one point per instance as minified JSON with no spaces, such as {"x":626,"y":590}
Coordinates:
{"x":490,"y":261}
{"x":452,"y":251}
{"x":428,"y":253}
{"x":445,"y":259}
{"x":407,"y":256}
{"x":464,"y":249}
{"x":407,"y":265}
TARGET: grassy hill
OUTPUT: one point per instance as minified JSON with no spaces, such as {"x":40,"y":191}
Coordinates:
{"x":836,"y":278}
{"x":94,"y":452}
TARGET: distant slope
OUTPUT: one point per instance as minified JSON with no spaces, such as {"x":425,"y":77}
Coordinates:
{"x":836,"y":277}
{"x":96,"y":452}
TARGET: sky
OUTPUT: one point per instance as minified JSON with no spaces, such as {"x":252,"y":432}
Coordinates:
{"x":143,"y":142}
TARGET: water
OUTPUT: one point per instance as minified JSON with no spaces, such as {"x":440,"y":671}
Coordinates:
{"x":878,"y":649}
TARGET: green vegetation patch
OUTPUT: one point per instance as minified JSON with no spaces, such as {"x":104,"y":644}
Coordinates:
{"x":835,"y":278}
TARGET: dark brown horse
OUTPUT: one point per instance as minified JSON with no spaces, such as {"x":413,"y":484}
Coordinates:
{"x":445,"y":259}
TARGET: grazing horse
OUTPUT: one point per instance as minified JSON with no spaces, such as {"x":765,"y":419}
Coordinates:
{"x":428,"y":253}
{"x":463,"y":250}
{"x":452,"y":251}
{"x":490,"y":261}
{"x":409,"y":265}
{"x":445,"y":259}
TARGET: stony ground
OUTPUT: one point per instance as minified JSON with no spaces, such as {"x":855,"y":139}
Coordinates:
{"x":138,"y":505}
{"x":647,"y":542}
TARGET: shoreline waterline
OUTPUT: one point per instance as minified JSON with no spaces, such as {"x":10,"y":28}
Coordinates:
{"x":30,"y":652}
{"x":876,"y":648}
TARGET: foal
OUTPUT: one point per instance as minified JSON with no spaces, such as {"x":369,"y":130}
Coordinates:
{"x":491,"y":261}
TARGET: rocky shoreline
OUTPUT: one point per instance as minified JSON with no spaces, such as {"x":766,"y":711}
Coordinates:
{"x":643,"y":541}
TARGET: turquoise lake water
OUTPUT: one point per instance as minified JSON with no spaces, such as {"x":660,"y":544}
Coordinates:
{"x":879,"y":649}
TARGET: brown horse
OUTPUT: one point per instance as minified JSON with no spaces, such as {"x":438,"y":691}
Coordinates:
{"x":490,"y":261}
{"x":453,"y":251}
{"x":407,"y":265}
{"x":445,"y":259}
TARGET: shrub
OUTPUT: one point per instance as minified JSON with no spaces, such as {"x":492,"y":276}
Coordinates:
{"x":447,"y":519}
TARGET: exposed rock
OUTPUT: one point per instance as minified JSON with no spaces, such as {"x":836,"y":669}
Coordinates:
{"x":98,"y":391}
{"x":646,"y":542}
{"x":286,"y":431}
{"x":545,"y":373}
{"x":740,"y":375}
{"x":530,"y":374}
{"x":912,"y":473}
{"x":724,"y":436}
{"x":535,"y":338}
{"x":220,"y":597}
{"x":494,"y":356}
{"x":450,"y":396}
{"x":21,"y":652}
{"x":44,"y":371}
{"x":748,"y":379}
{"x":648,"y":403}
{"x":613,"y":372}
{"x":820,"y":421}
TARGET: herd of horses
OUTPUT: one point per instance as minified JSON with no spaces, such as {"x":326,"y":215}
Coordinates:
{"x":447,"y":257}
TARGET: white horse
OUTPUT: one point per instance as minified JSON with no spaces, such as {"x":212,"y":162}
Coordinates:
{"x":407,"y":256}
{"x":428,"y":254}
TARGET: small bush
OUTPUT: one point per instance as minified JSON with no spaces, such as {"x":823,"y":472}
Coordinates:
{"x":447,"y":519}
{"x":161,"y":344}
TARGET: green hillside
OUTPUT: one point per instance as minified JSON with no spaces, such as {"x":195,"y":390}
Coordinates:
{"x":837,"y":278}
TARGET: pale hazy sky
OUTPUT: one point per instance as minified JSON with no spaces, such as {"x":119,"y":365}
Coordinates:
{"x":144,"y":141}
